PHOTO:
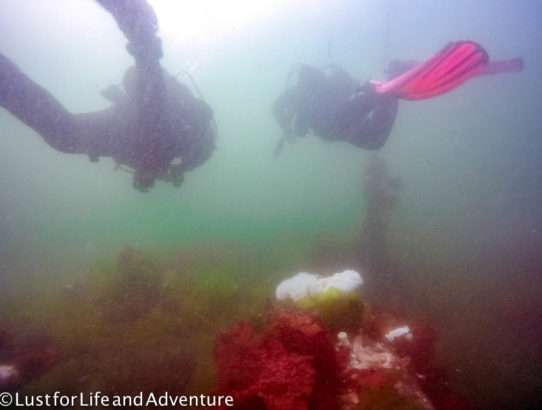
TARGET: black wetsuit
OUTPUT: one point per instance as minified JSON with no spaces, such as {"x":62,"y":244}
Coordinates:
{"x":157,"y":128}
{"x":331,"y":104}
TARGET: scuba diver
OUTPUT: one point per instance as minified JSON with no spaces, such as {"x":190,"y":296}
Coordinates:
{"x":156,"y":126}
{"x":331,"y":104}
{"x":335,"y":107}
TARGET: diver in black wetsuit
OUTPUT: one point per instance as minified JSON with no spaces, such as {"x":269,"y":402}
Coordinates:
{"x":331,"y":104}
{"x":156,"y":127}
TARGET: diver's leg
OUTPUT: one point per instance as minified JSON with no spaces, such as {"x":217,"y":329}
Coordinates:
{"x":374,"y":129}
{"x":37,"y":108}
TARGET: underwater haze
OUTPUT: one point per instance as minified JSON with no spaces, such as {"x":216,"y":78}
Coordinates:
{"x":464,"y":239}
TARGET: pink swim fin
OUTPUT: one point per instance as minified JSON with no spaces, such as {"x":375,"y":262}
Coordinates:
{"x":514,"y":65}
{"x":443,"y":72}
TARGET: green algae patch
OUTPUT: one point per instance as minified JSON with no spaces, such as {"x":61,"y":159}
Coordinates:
{"x":142,"y":322}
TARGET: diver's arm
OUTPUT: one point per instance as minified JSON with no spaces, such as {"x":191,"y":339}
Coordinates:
{"x":93,"y":134}
{"x":37,"y":108}
{"x":153,"y":143}
{"x":138,"y":22}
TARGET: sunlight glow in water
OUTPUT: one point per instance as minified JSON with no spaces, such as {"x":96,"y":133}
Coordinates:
{"x":207,"y":20}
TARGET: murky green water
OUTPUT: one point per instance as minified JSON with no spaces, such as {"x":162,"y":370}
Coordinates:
{"x":464,"y":239}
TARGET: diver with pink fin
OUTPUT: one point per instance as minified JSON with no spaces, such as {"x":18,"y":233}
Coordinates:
{"x":333,"y":105}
